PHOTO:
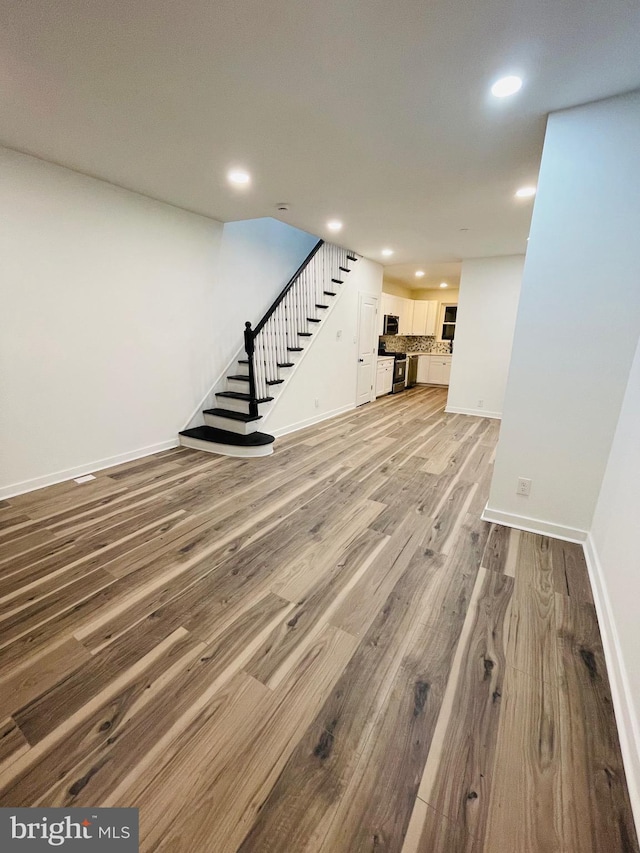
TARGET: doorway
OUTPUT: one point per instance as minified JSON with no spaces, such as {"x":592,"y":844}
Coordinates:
{"x":367,"y":348}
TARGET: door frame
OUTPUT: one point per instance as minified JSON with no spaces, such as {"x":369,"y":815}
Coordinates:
{"x":362,"y":294}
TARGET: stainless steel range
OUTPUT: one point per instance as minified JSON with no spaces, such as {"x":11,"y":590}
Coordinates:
{"x":399,"y":372}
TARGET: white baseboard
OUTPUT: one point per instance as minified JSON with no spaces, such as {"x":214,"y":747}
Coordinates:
{"x":477,"y":413}
{"x":316,"y":419}
{"x":534,"y":525}
{"x":14,"y":489}
{"x":628,"y":728}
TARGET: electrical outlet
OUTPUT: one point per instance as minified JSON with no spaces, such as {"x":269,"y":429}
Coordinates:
{"x":480,"y":404}
{"x":524,"y":486}
{"x":317,"y":402}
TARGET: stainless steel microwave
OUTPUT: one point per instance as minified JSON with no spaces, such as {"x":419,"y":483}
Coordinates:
{"x":391,"y":324}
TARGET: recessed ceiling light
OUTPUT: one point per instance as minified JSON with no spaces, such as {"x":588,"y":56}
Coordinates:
{"x":334,"y":225}
{"x":526,"y":192}
{"x":506,"y":86}
{"x":419,"y":273}
{"x":443,"y":284}
{"x":387,"y":252}
{"x":239,"y":177}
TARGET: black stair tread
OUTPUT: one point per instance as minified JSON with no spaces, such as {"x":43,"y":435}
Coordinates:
{"x":222,"y":436}
{"x":295,"y":349}
{"x":321,"y":306}
{"x":313,"y":320}
{"x":286,"y":364}
{"x":351,"y":258}
{"x":234,"y":416}
{"x":275,"y":381}
{"x":243,"y":361}
{"x":305,"y":334}
{"x":329,"y":293}
{"x":337,"y":281}
{"x":344,"y":269}
{"x":238,"y":395}
{"x":242,"y":377}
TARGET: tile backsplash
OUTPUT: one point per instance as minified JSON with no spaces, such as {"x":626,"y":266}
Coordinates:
{"x":414,"y":343}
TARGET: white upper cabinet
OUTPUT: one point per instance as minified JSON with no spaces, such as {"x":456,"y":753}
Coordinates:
{"x":406,"y":316}
{"x":424,"y":317}
{"x":416,"y":316}
{"x":419,"y":318}
{"x":432,"y":317}
{"x":387,"y":306}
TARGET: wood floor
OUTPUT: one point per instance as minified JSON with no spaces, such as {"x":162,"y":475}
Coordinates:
{"x":323,"y":650}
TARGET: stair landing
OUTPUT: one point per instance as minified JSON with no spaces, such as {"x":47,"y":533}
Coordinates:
{"x":214,"y":440}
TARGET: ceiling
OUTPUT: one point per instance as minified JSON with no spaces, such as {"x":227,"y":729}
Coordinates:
{"x":372,"y":112}
{"x":434,"y":274}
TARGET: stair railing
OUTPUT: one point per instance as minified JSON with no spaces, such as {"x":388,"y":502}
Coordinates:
{"x":286,"y":324}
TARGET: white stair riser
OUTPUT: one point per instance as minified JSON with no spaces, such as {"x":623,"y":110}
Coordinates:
{"x":237,"y":385}
{"x":242,"y":369}
{"x":226,"y":449}
{"x":234,"y":405}
{"x":239,"y":427}
{"x":240,"y":405}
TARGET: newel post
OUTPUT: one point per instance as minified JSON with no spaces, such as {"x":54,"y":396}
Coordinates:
{"x":249,"y":348}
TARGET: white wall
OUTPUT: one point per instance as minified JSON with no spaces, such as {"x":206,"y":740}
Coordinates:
{"x":328,"y":370}
{"x":442,"y":295}
{"x":396,"y":289}
{"x":485,"y":323}
{"x":575,"y":339}
{"x":257,"y":259}
{"x":117,"y":313}
{"x":613,"y":548}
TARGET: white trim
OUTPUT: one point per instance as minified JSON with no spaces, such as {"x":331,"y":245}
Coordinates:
{"x":362,"y":295}
{"x":80,"y":470}
{"x":534,"y":525}
{"x":628,"y":728}
{"x":239,"y":450}
{"x":477,"y":413}
{"x":316,"y":419}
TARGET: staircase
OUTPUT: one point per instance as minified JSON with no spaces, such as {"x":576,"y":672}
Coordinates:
{"x":272,"y":350}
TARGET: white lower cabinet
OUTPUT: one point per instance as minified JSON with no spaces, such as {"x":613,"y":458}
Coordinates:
{"x":422,"y":377}
{"x":434,"y":369}
{"x":384,"y":376}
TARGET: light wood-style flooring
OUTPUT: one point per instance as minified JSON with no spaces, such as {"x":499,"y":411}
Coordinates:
{"x":323,"y":650}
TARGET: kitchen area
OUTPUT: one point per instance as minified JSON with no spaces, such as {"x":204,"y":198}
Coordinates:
{"x":416,"y":338}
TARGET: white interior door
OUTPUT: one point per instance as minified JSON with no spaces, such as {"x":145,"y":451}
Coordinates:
{"x":367,"y":348}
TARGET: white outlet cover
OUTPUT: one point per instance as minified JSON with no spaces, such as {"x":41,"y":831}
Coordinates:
{"x":524,"y":486}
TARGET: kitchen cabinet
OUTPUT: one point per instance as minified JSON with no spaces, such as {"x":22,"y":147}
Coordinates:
{"x":384,"y":376}
{"x":424,"y":318}
{"x":434,"y":369}
{"x":416,"y":316}
{"x":423,"y":369}
{"x":385,"y":308}
{"x":394,"y":305}
{"x":440,"y":370}
{"x":405,"y":312}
